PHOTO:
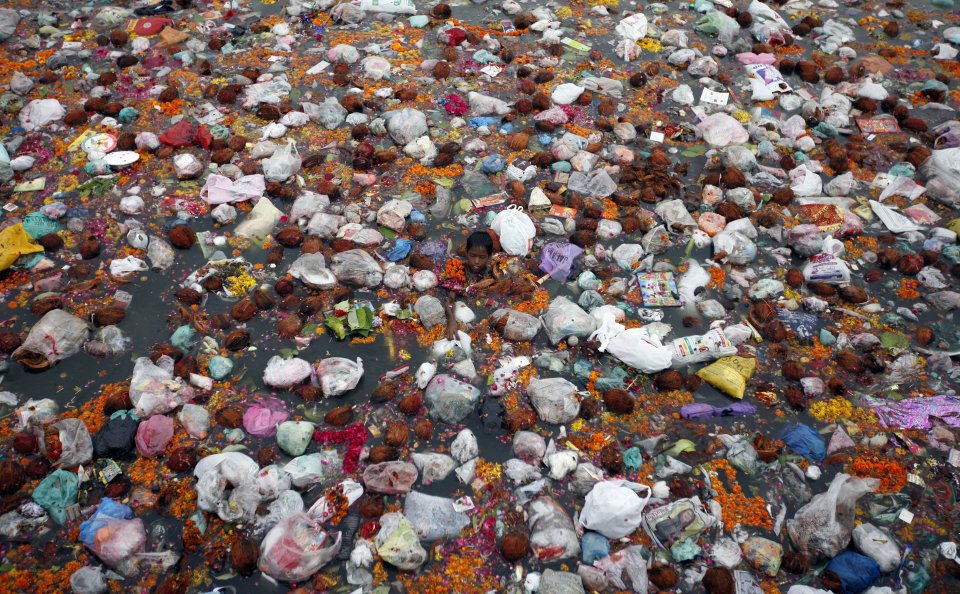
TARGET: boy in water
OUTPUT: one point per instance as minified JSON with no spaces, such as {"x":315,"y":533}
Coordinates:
{"x":476,"y":266}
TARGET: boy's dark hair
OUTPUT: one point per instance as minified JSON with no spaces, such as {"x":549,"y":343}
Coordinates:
{"x":480,"y":239}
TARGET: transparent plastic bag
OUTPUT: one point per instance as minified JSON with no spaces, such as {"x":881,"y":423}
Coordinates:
{"x":296,"y":548}
{"x":565,"y":318}
{"x":823,"y":527}
{"x":356,"y":267}
{"x":338,"y":375}
{"x":283,"y":163}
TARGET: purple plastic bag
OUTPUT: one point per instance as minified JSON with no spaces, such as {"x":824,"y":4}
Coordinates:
{"x":702,"y":410}
{"x":557,"y":258}
{"x":261,"y":419}
{"x":915,"y":413}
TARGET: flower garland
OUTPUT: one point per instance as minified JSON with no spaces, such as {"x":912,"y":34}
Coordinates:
{"x":354,"y":435}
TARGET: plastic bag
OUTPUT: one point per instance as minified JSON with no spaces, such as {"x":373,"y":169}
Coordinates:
{"x":449,"y":399}
{"x":856,"y":572}
{"x":112,"y":533}
{"x":805,"y":442}
{"x":826,"y":268}
{"x":729,"y":374}
{"x":516,"y":231}
{"x":878,"y":545}
{"x":554,"y":399}
{"x":552,"y":533}
{"x":56,"y":336}
{"x":296,"y":548}
{"x":720,"y":130}
{"x":117,"y":438}
{"x":160,"y":253}
{"x":282,"y":164}
{"x":261,"y":221}
{"x":195,"y":419}
{"x":338,"y":375}
{"x":823,"y":527}
{"x":261,"y":420}
{"x":313,"y":468}
{"x":293,"y":437}
{"x":697,"y":349}
{"x":357,"y":268}
{"x":56,"y":493}
{"x":36,"y":413}
{"x":556,"y":259}
{"x":153,"y":388}
{"x":15,"y":242}
{"x":613,"y":508}
{"x":88,"y":579}
{"x":638,"y":349}
{"x":218,"y":189}
{"x":226,"y":485}
{"x":153,"y":435}
{"x":75,"y":443}
{"x":519,"y":326}
{"x":565,"y":318}
{"x":40,"y":112}
{"x":397,"y":543}
{"x":284,"y":373}
{"x":633,"y":27}
{"x":405,"y":125}
{"x":433,"y":518}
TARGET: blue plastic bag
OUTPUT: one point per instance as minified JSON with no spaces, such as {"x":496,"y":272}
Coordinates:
{"x":805,"y":442}
{"x":400,"y":250}
{"x":856,"y":572}
{"x":108,"y":511}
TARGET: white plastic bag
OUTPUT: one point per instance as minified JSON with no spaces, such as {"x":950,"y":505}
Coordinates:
{"x":284,"y":373}
{"x":721,"y":130}
{"x":565,"y":318}
{"x":154,"y":389}
{"x":56,"y":336}
{"x":283,"y":163}
{"x":633,"y":28}
{"x":123,"y":267}
{"x":613,"y":508}
{"x":638,"y":349}
{"x":338,"y":375}
{"x":516,"y":231}
{"x":40,"y":112}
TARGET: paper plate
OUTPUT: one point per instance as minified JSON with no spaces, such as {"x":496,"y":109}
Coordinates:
{"x":101,"y":143}
{"x":121,"y":158}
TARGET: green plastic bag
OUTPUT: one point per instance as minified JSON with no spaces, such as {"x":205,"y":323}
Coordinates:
{"x":293,"y":437}
{"x":37,"y":224}
{"x":56,"y":493}
{"x":220,"y":367}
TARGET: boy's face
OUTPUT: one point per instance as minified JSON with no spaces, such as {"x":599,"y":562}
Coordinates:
{"x":477,"y":258}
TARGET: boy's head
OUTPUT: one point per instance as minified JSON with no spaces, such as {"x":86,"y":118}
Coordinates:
{"x":479,"y":250}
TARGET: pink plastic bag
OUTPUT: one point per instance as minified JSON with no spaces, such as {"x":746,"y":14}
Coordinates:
{"x":153,"y":435}
{"x":219,"y":189}
{"x":262,"y":419}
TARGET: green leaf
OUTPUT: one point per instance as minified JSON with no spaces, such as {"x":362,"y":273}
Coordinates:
{"x":335,"y":325}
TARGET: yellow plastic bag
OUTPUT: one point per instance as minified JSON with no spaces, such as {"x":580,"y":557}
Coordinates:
{"x":954,"y":226}
{"x":729,"y":374}
{"x":14,"y":242}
